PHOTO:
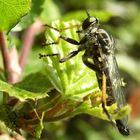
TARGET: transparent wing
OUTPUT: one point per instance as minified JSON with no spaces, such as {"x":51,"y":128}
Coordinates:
{"x":116,"y":82}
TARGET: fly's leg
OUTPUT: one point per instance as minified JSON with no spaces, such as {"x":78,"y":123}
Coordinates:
{"x":89,"y":64}
{"x":61,"y":30}
{"x":67,"y":39}
{"x":71,"y":41}
{"x":104,"y":98}
{"x":74,"y":42}
{"x":95,"y":68}
{"x":47,"y":55}
{"x":104,"y":89}
{"x":70,"y":55}
{"x":52,"y":43}
{"x":73,"y":53}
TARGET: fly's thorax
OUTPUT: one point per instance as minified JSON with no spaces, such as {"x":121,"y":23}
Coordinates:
{"x":93,"y":30}
{"x":102,"y":34}
{"x":90,"y":42}
{"x":105,"y":40}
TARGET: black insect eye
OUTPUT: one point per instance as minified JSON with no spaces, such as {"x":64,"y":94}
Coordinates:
{"x":86,"y":23}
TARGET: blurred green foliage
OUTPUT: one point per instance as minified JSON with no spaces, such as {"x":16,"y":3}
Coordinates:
{"x":12,"y":11}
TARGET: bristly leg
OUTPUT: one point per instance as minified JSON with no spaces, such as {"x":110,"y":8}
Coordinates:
{"x":70,"y":55}
{"x":104,"y":98}
{"x":72,"y":41}
{"x":47,"y":55}
{"x":63,"y":29}
{"x":67,"y":39}
{"x":95,"y":68}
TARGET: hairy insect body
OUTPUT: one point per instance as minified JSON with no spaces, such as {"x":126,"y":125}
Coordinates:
{"x":99,"y":48}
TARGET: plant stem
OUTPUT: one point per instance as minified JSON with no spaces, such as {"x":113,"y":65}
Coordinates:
{"x":6,"y":62}
{"x":6,"y":57}
{"x":28,"y":41}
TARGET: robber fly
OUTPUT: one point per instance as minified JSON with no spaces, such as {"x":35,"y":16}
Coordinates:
{"x":98,"y":47}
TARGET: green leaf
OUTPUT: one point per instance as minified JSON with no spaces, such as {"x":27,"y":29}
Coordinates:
{"x":35,"y":82}
{"x":19,"y":93}
{"x":36,"y":10}
{"x":39,"y":10}
{"x":11,"y":12}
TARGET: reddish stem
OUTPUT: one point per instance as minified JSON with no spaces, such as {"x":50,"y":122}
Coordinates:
{"x":6,"y":57}
{"x":28,"y":42}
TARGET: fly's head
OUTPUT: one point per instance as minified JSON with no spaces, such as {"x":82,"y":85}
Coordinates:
{"x":90,"y":21}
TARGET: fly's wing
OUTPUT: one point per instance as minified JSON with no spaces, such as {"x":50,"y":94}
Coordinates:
{"x":109,"y":61}
{"x":116,"y":83}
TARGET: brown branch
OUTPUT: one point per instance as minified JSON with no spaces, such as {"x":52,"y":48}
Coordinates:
{"x":23,"y":122}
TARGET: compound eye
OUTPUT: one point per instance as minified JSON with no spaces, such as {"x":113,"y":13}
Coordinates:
{"x":86,"y":24}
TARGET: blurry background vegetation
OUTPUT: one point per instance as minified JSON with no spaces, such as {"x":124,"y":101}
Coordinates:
{"x":122,"y":19}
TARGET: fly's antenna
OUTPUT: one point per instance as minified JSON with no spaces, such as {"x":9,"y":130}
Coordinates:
{"x":87,"y":12}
